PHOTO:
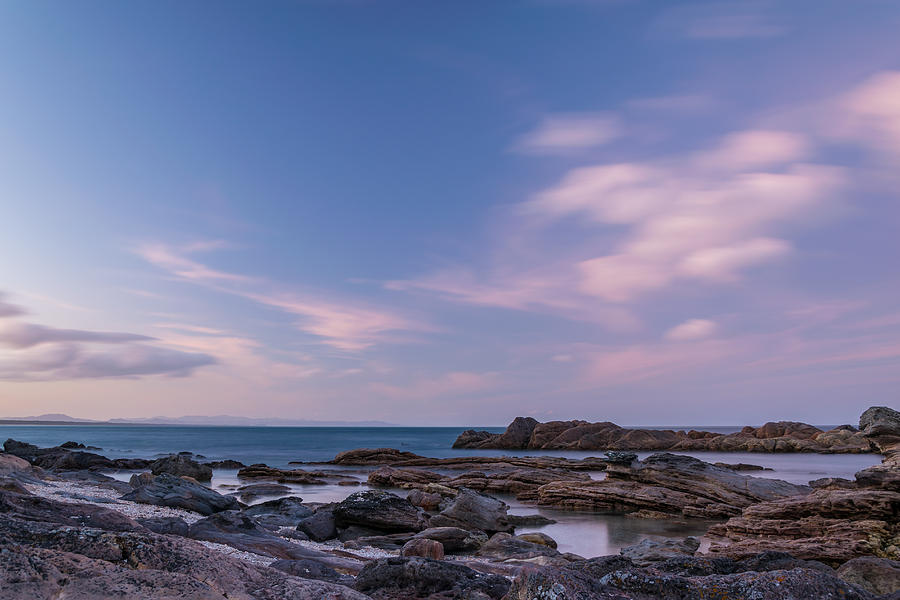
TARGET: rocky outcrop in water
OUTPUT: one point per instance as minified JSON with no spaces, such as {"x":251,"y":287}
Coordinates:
{"x":670,"y":484}
{"x":782,"y":436}
{"x":836,"y":522}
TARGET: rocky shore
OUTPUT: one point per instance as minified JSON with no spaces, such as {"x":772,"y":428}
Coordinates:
{"x":526,"y":433}
{"x":68,"y":530}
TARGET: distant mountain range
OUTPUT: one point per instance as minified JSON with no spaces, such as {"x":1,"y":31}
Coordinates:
{"x":220,"y":420}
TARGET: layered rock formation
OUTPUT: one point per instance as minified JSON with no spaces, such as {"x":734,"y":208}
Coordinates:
{"x":782,"y":436}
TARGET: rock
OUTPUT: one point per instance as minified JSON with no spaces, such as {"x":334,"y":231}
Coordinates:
{"x":879,"y":425}
{"x":319,"y":526}
{"x":13,"y":464}
{"x":226,"y":464}
{"x":423,"y":547}
{"x":651,"y":551}
{"x":65,"y":460}
{"x":473,"y":510}
{"x":830,"y":525}
{"x":229,"y":577}
{"x":261,"y":471}
{"x":251,"y":492}
{"x":168,"y":490}
{"x":131,"y":464}
{"x":310,"y":569}
{"x":358,"y":538}
{"x":166,"y":525}
{"x":536,"y":537}
{"x":877,"y":575}
{"x":381,"y":511}
{"x":454,"y":539}
{"x":668,"y":483}
{"x":402,"y":478}
{"x":283,"y":512}
{"x":620,"y":458}
{"x":39,"y":574}
{"x":529,"y":520}
{"x":783,"y":436}
{"x":425,"y":500}
{"x":181,"y":466}
{"x":36,"y":508}
{"x":73,"y":446}
{"x":373,"y":456}
{"x":139,"y":479}
{"x":414,"y":577}
{"x":741,"y":467}
{"x":503,"y":546}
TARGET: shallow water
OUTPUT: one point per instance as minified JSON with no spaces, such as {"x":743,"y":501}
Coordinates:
{"x":582,"y":533}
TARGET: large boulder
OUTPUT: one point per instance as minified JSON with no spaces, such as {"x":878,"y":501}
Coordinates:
{"x":380,"y":511}
{"x":176,"y":492}
{"x":473,"y":510}
{"x":423,"y":547}
{"x":319,"y":526}
{"x":503,"y":546}
{"x":283,"y":512}
{"x":880,"y":425}
{"x":877,"y":575}
{"x":413,"y":577}
{"x":181,"y":466}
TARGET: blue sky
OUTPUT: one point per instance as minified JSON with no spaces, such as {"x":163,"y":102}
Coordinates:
{"x":450,"y":213}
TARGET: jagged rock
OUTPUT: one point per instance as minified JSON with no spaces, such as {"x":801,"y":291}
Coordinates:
{"x":168,"y":490}
{"x":652,"y":551}
{"x":529,"y":520}
{"x":229,"y":577}
{"x":181,"y":466}
{"x":473,"y":510}
{"x":131,"y":464}
{"x":877,"y":575}
{"x":283,"y":512}
{"x":414,"y":577}
{"x":319,"y":526}
{"x":423,"y":547}
{"x":455,"y":539}
{"x":880,"y":425}
{"x":668,"y":483}
{"x":782,"y":436}
{"x":381,"y":511}
{"x":830,"y":525}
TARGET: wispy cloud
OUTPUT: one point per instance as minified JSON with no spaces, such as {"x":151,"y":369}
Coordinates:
{"x":42,"y":353}
{"x":693,"y":329}
{"x":722,"y":20}
{"x":9,"y":310}
{"x":341,"y":323}
{"x":565,"y":133}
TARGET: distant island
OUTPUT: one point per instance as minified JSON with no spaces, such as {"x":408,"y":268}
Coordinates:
{"x":215,"y":420}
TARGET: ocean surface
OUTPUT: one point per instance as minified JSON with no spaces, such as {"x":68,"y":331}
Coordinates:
{"x":582,"y":533}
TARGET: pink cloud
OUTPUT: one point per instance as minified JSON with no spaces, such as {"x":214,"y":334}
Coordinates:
{"x":693,"y":329}
{"x":570,"y":132}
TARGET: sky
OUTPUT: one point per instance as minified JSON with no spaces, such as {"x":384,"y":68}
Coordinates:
{"x":450,"y":213}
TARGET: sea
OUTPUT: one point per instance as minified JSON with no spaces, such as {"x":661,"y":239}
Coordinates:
{"x":586,"y":534}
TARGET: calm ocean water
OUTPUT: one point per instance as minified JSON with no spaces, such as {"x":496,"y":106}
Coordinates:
{"x":585,"y":534}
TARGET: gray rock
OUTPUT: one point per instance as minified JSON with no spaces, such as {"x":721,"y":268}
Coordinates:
{"x":382,"y":511}
{"x":253,"y":491}
{"x":310,"y":569}
{"x":283,"y":512}
{"x":414,"y":577}
{"x":503,"y":546}
{"x":35,"y":508}
{"x":423,"y":547}
{"x":319,"y":526}
{"x":169,"y":490}
{"x":652,"y":551}
{"x":877,"y":575}
{"x":166,"y":525}
{"x":182,"y":466}
{"x":473,"y":510}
